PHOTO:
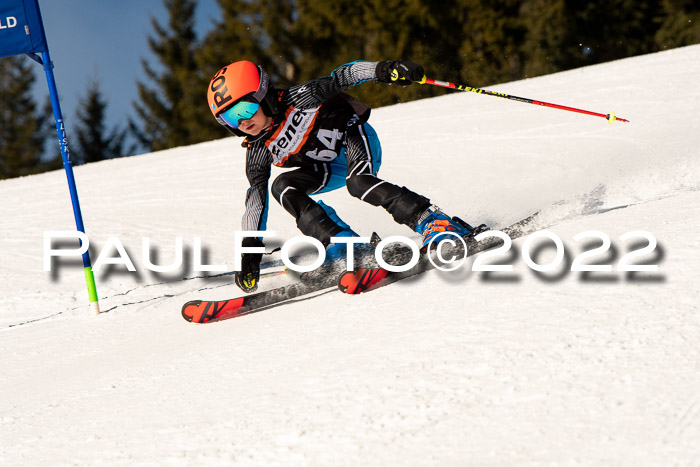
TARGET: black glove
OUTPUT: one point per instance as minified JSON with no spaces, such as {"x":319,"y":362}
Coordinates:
{"x":249,"y":275}
{"x":401,"y":72}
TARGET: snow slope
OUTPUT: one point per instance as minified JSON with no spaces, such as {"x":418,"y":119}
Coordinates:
{"x":460,"y":368}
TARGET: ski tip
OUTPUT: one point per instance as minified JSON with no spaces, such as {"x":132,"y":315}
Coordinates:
{"x":344,"y":282}
{"x":190,"y":309}
{"x":205,"y":311}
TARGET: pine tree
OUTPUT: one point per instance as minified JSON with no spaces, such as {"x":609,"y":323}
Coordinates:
{"x":475,"y":42}
{"x":680,"y":24}
{"x":277,"y":23}
{"x":173,"y":110}
{"x":298,"y":40}
{"x":236,"y":36}
{"x":493,"y":34}
{"x":24,"y":127}
{"x":94,"y":141}
{"x":600,"y":31}
{"x":329,"y":34}
{"x":543,"y":48}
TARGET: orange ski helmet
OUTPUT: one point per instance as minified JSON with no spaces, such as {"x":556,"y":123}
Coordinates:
{"x":236,"y":81}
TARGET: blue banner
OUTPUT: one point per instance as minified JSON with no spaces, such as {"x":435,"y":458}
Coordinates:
{"x":21,"y":28}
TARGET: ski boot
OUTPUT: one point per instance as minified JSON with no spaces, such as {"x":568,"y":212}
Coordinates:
{"x":435,"y":225}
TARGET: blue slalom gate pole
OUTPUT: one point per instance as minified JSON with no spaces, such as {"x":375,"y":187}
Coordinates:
{"x":68,"y":166}
{"x":22,"y":32}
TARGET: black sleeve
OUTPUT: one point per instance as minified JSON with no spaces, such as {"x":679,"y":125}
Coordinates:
{"x":315,"y":92}
{"x":258,"y":162}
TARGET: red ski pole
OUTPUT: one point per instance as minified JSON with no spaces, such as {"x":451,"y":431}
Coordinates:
{"x":609,"y":117}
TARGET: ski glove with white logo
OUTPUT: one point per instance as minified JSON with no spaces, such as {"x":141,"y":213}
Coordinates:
{"x":401,"y":72}
{"x":249,"y":275}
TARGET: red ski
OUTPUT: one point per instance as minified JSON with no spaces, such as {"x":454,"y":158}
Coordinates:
{"x":362,"y":280}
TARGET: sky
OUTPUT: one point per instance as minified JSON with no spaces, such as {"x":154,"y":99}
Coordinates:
{"x":106,"y":39}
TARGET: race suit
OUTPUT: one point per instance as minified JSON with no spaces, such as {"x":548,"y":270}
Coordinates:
{"x":324,"y":134}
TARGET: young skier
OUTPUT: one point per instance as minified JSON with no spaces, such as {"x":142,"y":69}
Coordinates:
{"x":324,"y":133}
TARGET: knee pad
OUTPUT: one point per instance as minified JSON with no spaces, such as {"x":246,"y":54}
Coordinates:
{"x":278,"y":186}
{"x":355,"y":187}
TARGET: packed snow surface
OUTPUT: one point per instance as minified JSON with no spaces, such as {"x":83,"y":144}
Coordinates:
{"x":460,"y":368}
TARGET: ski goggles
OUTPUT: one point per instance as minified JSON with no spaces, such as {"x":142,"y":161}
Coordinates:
{"x":240,"y":111}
